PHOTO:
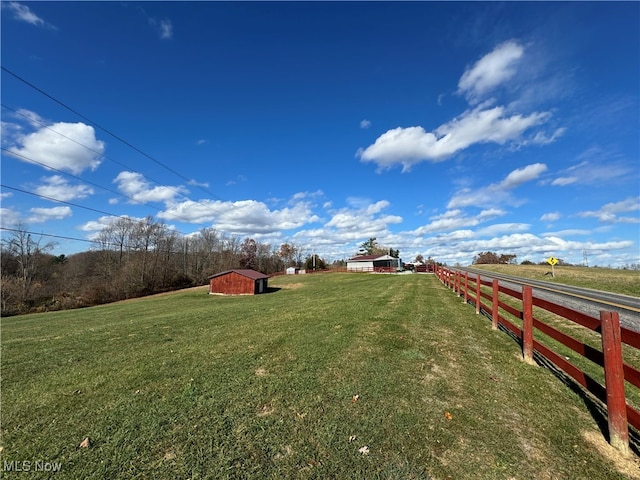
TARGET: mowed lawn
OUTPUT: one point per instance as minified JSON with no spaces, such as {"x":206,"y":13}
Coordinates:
{"x":345,"y":376}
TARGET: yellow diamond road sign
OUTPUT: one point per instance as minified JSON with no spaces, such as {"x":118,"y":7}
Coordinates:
{"x":552,"y":261}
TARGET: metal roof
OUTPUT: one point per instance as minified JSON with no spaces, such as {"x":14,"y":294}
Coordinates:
{"x":245,"y":272}
{"x":368,"y":258}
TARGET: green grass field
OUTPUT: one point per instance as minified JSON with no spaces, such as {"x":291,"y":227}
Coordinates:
{"x":625,"y":282}
{"x":290,"y":384}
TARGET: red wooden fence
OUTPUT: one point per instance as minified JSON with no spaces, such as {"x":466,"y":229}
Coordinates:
{"x":620,"y":414}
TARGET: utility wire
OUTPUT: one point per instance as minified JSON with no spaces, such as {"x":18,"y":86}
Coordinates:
{"x":59,"y":236}
{"x":5,"y":69}
{"x":88,"y":148}
{"x":125,"y":217}
{"x":95,"y":184}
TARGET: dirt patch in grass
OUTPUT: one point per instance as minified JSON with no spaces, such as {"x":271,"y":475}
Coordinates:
{"x":291,"y":286}
{"x":629,"y":466}
{"x":266,"y":410}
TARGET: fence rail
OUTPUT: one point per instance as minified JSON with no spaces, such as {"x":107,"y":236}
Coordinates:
{"x":620,"y":414}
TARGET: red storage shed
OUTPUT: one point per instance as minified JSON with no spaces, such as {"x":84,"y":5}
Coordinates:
{"x":238,"y":282}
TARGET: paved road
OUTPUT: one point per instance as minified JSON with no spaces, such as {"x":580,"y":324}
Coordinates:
{"x":584,"y":300}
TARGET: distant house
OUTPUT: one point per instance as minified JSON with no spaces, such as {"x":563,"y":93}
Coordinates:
{"x":238,"y":282}
{"x":373,"y":263}
{"x":292,"y":271}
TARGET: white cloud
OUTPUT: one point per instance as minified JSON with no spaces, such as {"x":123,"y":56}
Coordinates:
{"x":541,"y":138}
{"x":412,"y":145}
{"x":58,"y":188}
{"x":166,"y":29}
{"x":24,"y":14}
{"x":195,"y":183}
{"x":522,"y":175}
{"x":241,"y":217}
{"x":40,"y":215}
{"x":32,"y":118}
{"x":483,"y":123}
{"x":456,"y":219}
{"x":99,"y":224}
{"x":490,"y":71}
{"x":163,"y":26}
{"x":550,"y":217}
{"x":564,"y":181}
{"x":9,"y":218}
{"x":497,"y":193}
{"x":363,"y":221}
{"x":566,"y":233}
{"x":356,"y":223}
{"x":365,"y":124}
{"x":599,"y":169}
{"x":446,"y":248}
{"x":135,"y":186}
{"x":94,"y":227}
{"x":302,"y":195}
{"x":70,"y":147}
{"x":609,"y":213}
{"x":499,"y":228}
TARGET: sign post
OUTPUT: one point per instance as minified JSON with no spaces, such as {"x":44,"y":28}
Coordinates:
{"x":552,"y":261}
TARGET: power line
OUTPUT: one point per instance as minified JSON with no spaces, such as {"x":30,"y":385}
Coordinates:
{"x":88,"y":148}
{"x":59,"y":102}
{"x":95,"y":185}
{"x":125,"y":217}
{"x":57,"y":236}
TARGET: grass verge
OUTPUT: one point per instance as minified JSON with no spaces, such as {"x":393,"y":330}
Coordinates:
{"x":625,"y":282}
{"x":290,"y":384}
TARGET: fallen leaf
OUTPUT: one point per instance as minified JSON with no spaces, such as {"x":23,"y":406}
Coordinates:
{"x":352,"y":438}
{"x":86,"y":443}
{"x":364,"y":450}
{"x":355,"y":398}
{"x":448,"y":416}
{"x":169,"y":455}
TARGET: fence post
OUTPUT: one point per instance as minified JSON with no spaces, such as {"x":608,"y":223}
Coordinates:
{"x":466,"y":287}
{"x":457,"y":283}
{"x":527,"y":324}
{"x":494,"y":305}
{"x":614,"y":381}
{"x":478,"y":294}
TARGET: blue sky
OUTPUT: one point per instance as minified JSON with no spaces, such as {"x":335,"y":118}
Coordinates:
{"x":441,"y":129}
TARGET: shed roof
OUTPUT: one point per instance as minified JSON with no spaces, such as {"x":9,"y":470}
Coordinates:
{"x":245,"y":272}
{"x":368,"y":258}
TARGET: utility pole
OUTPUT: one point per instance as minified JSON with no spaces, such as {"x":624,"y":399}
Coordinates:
{"x":585,"y":258}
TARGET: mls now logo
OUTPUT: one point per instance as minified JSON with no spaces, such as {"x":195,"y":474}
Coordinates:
{"x":28,"y":466}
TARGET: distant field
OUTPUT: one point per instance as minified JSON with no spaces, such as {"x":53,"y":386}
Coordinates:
{"x":356,"y":376}
{"x":626,"y":282}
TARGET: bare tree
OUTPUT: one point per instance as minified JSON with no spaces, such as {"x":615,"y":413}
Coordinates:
{"x":248,"y":253}
{"x":27,"y":252}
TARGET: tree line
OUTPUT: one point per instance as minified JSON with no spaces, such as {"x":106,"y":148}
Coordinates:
{"x":128,"y":258}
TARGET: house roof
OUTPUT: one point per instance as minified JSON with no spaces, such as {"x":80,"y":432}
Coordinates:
{"x":368,"y":258}
{"x":245,"y":272}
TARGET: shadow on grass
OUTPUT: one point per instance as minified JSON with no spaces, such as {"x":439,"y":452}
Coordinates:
{"x":272,"y":289}
{"x":596,"y":408}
